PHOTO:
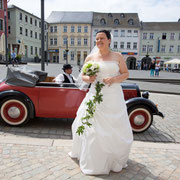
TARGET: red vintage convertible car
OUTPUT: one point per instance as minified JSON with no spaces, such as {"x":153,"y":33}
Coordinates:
{"x":19,"y":103}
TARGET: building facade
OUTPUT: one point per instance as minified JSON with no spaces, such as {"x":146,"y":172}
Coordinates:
{"x":69,"y":36}
{"x":125,"y":29}
{"x":159,"y":41}
{"x":27,"y":27}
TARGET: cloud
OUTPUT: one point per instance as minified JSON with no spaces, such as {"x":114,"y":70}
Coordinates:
{"x":148,"y":10}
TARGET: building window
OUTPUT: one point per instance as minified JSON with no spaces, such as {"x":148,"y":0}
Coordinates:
{"x":130,"y":21}
{"x":26,"y":18}
{"x":116,"y":21}
{"x":55,"y":28}
{"x":35,"y":22}
{"x":171,"y":48}
{"x":40,"y":51}
{"x":72,"y":55}
{"x":72,"y":29}
{"x":178,"y":50}
{"x":51,"y":29}
{"x":172,"y":36}
{"x":1,"y":4}
{"x":64,"y":55}
{"x":135,"y":45}
{"x":31,"y":50}
{"x":85,"y":41}
{"x":151,"y":36}
{"x":40,"y":24}
{"x":36,"y":51}
{"x":31,"y":20}
{"x":163,"y":35}
{"x":20,"y":30}
{"x":122,"y":45}
{"x":65,"y":40}
{"x":95,"y":31}
{"x":144,"y":48}
{"x":79,"y":41}
{"x":79,"y":29}
{"x":65,"y":28}
{"x":85,"y":29}
{"x":122,"y":33}
{"x":55,"y":41}
{"x":35,"y":35}
{"x":163,"y":48}
{"x":129,"y":33}
{"x":115,"y":33}
{"x":102,"y":21}
{"x":20,"y":16}
{"x":51,"y":41}
{"x":9,"y":29}
{"x":1,"y":24}
{"x":144,"y":35}
{"x":26,"y":32}
{"x":39,"y":36}
{"x":72,"y":41}
{"x":150,"y":48}
{"x":9,"y":15}
{"x":135,"y":33}
{"x":31,"y":34}
{"x":115,"y":45}
{"x":128,"y":45}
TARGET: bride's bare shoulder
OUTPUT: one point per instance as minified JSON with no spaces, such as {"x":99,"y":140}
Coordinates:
{"x":90,"y":58}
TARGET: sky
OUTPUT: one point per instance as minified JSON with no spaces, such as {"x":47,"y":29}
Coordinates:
{"x":148,"y":10}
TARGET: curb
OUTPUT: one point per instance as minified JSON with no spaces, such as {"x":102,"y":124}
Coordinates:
{"x":68,"y":143}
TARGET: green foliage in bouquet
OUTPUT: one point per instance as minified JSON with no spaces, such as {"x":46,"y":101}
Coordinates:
{"x":91,"y":107}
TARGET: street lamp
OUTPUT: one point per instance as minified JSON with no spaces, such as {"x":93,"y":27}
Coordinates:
{"x":67,"y":50}
{"x":147,"y":55}
{"x":6,"y":44}
{"x":42,"y":36}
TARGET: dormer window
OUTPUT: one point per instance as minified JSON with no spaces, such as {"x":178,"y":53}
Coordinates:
{"x":102,"y":21}
{"x":122,"y":15}
{"x":110,"y":15}
{"x":116,"y":21}
{"x":130,"y":21}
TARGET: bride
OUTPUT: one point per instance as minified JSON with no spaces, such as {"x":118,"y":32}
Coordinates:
{"x":104,"y":146}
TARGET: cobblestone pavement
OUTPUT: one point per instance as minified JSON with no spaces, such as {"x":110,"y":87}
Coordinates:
{"x":162,"y":130}
{"x":51,"y":161}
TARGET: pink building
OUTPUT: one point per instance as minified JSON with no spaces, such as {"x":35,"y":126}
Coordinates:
{"x":3,"y":6}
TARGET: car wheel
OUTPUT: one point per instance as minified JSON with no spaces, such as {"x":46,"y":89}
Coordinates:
{"x":14,"y":111}
{"x":140,"y":117}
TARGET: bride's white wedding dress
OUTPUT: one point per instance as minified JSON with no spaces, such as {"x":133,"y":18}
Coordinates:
{"x":105,"y":146}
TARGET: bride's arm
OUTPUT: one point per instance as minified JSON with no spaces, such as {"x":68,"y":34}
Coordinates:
{"x":85,"y":78}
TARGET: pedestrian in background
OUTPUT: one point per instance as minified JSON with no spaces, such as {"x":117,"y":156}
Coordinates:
{"x":152,"y":69}
{"x":157,"y":69}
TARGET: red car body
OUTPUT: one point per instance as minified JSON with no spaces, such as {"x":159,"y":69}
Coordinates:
{"x":19,"y":104}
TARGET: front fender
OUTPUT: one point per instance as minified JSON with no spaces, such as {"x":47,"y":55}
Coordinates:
{"x":13,"y":93}
{"x":146,"y":102}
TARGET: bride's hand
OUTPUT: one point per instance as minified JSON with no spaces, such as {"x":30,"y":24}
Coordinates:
{"x":92,"y":79}
{"x":89,"y":79}
{"x":108,"y":81}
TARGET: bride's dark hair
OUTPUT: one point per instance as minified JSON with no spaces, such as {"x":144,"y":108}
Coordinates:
{"x":108,"y":34}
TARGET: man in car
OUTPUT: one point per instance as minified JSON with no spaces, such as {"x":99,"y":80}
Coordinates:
{"x":66,"y":77}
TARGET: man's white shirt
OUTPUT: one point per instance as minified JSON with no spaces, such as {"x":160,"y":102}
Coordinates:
{"x":60,"y":78}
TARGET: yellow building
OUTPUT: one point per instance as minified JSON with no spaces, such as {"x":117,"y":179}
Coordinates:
{"x":69,"y":36}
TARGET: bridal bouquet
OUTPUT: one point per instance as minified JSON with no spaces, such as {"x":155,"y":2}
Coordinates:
{"x":91,"y":69}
